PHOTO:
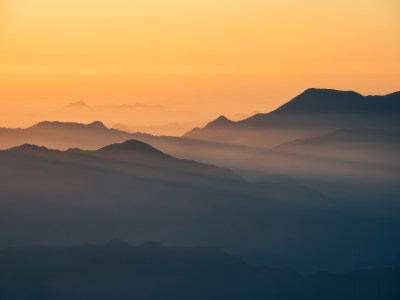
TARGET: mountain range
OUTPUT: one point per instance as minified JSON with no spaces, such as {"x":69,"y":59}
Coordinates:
{"x":225,"y":142}
{"x":315,"y":111}
{"x":139,"y":193}
{"x":359,"y":153}
{"x":320,"y":190}
{"x":118,"y":270}
{"x":65,"y":135}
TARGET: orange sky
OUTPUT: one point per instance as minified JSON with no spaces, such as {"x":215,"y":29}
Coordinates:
{"x":215,"y":56}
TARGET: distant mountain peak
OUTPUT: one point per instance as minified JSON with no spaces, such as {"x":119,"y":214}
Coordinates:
{"x":53,"y":124}
{"x":132,"y":149}
{"x":45,"y":124}
{"x":130,"y":144}
{"x":78,"y":104}
{"x":29,"y":148}
{"x":97,"y":125}
{"x":71,"y":125}
{"x":221,"y":121}
{"x":222,"y":118}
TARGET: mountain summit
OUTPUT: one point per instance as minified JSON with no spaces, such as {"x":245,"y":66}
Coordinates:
{"x":221,"y":121}
{"x":330,"y":101}
{"x":50,"y":125}
{"x":324,"y":101}
{"x":77,"y":105}
{"x":313,"y":111}
{"x":132,"y":149}
{"x":97,"y":125}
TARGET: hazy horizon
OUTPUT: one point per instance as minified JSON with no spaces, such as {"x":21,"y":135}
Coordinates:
{"x":204,"y":58}
{"x":175,"y":116}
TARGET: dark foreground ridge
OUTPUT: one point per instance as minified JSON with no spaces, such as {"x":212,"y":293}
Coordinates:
{"x":139,"y":193}
{"x":117,"y":270}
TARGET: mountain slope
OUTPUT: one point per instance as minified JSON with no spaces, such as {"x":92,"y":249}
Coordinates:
{"x":315,"y":111}
{"x":345,"y":155}
{"x":136,"y":192}
{"x":64,"y":135}
{"x":131,"y":155}
{"x":328,"y":101}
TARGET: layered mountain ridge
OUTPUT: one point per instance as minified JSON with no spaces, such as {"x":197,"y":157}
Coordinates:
{"x":315,"y":111}
{"x":117,"y":270}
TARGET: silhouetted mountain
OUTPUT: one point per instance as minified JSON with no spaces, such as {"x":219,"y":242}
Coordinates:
{"x":30,"y":149}
{"x":78,"y":105}
{"x":97,"y":125}
{"x":222,"y":121}
{"x":65,"y":135}
{"x":49,"y":126}
{"x":325,"y":101}
{"x":133,"y":149}
{"x":118,"y":270}
{"x":145,"y":158}
{"x":314,"y":111}
{"x":60,"y":130}
{"x":138,"y":193}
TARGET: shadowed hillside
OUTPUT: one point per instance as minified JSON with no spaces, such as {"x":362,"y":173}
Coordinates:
{"x":338,"y":153}
{"x":135,"y":191}
{"x":347,"y":164}
{"x":118,"y":270}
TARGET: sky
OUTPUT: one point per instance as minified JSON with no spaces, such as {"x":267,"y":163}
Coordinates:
{"x":211,"y":56}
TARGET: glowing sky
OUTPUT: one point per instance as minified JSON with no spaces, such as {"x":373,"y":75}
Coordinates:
{"x":48,"y":48}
